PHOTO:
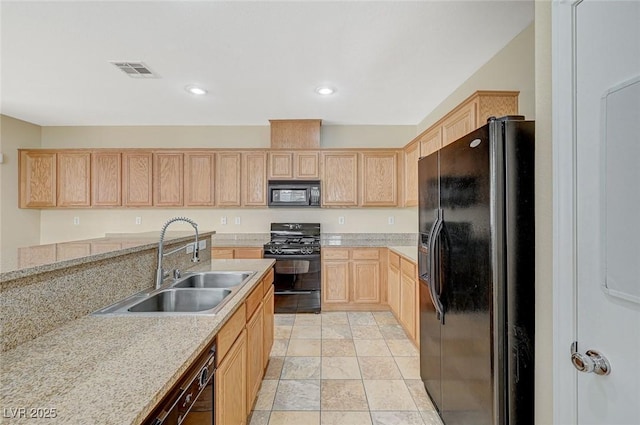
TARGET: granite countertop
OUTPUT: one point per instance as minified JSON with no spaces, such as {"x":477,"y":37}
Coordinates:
{"x":112,"y":369}
{"x":231,"y":240}
{"x":113,"y":244}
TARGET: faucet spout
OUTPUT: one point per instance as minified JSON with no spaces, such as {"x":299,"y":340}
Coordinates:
{"x":160,"y":273}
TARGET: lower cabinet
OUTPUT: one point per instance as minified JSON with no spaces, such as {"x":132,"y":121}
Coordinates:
{"x":244,"y":344}
{"x":223,"y":253}
{"x":402,"y":293}
{"x":351,"y":279}
{"x":231,"y":385}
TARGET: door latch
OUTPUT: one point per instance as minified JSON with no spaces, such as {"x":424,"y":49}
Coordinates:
{"x":591,"y":361}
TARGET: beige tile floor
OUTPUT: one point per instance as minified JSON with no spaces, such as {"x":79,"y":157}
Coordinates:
{"x":339,"y":368}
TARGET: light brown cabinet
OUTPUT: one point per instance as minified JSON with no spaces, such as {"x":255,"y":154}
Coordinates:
{"x":431,"y":141}
{"x":340,"y":179}
{"x":269,"y":319}
{"x":231,"y":385}
{"x":168,"y":179}
{"x":302,"y":165}
{"x":254,"y":179}
{"x":255,"y":341}
{"x":403,"y":293}
{"x":379,"y":179}
{"x":199,"y":177}
{"x":411,"y":157}
{"x":106,"y":179}
{"x":351,"y":279}
{"x":37,"y":170}
{"x":137,"y":179}
{"x":73,"y":179}
{"x":228,"y":174}
{"x":295,"y":134}
{"x":225,"y":253}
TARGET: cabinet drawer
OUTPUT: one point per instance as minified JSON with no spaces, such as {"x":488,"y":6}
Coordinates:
{"x":335,"y":253}
{"x":253,"y":300}
{"x":408,"y":268}
{"x":365,"y":254}
{"x":267,"y":282}
{"x":394,"y":260}
{"x":229,"y":332}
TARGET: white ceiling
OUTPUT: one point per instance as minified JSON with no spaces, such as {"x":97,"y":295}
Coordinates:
{"x":391,"y":62}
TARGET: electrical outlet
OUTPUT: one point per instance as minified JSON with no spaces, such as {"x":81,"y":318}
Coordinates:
{"x":223,"y":220}
{"x":76,"y":220}
{"x":189,"y":248}
{"x":392,"y":220}
{"x":138,"y":220}
{"x":202,"y":244}
{"x":341,"y":220}
{"x":237,"y":220}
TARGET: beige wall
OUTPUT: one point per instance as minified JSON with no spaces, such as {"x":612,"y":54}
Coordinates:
{"x":17,"y":227}
{"x":512,"y":68}
{"x":544,"y":216}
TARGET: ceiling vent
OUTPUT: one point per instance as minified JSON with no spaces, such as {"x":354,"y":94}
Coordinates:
{"x":135,"y":69}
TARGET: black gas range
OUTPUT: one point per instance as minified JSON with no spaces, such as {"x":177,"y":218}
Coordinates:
{"x":297,"y":280}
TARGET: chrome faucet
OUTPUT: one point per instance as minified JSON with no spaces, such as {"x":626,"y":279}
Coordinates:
{"x":161,"y":274}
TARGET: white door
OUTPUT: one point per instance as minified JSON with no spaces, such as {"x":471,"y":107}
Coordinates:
{"x":605,"y":91}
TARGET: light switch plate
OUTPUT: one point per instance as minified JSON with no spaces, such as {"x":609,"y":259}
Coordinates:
{"x":341,"y":220}
{"x":223,"y":220}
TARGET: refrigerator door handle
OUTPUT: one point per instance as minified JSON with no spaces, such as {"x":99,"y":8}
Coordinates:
{"x":435,"y":286}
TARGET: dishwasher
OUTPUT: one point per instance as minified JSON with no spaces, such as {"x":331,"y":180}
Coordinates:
{"x":191,"y":401}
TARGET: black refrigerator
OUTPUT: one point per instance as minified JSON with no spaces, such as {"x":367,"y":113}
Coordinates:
{"x":476,"y":270}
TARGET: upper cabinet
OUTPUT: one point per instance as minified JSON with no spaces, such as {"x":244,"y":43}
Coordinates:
{"x":295,"y":134}
{"x":340,"y":179}
{"x":168,"y":178}
{"x":74,"y":188}
{"x":411,"y":157}
{"x":379,"y":179}
{"x":106,"y":179}
{"x":431,"y":141}
{"x":37,"y":170}
{"x":137,"y":179}
{"x":299,"y":165}
{"x":254,"y":179}
{"x":199,"y":178}
{"x":228,"y":168}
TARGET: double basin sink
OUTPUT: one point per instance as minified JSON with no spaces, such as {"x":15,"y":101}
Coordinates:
{"x":194,"y":293}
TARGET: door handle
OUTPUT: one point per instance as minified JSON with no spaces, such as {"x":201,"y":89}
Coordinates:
{"x":591,"y":361}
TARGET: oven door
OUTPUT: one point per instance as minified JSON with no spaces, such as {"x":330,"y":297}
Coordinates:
{"x":297,"y":281}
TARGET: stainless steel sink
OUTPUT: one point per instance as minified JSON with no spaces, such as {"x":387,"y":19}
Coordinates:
{"x":200,"y":293}
{"x":212,"y":280}
{"x":181,"y":300}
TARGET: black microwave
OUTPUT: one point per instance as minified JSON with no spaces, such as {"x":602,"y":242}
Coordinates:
{"x":294,"y":193}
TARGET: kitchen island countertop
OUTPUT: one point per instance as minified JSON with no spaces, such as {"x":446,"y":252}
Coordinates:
{"x":112,"y":369}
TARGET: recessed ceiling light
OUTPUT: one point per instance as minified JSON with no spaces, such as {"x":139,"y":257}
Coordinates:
{"x":195,"y":90}
{"x":324,"y":90}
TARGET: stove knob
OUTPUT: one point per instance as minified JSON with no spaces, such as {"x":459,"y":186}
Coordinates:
{"x":272,"y":249}
{"x":278,"y":250}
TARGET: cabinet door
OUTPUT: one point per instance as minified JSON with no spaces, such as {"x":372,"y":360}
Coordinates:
{"x":137,"y":179}
{"x":247,"y":253}
{"x":199,"y":179}
{"x":306,"y":165}
{"x":340,"y":179}
{"x":393,"y":288}
{"x":366,"y":282}
{"x":228,"y":179}
{"x":106,"y":179}
{"x":280,"y":165}
{"x":459,"y":123}
{"x":222,"y":253}
{"x":254,"y":191}
{"x":255,"y":347}
{"x":37,"y":179}
{"x":268,"y":313}
{"x":379,"y":179}
{"x":335,"y":282}
{"x":231,"y":385}
{"x":168,"y":180}
{"x":411,"y":156}
{"x":295,"y":134}
{"x":408,"y":304}
{"x":431,"y":141}
{"x":74,"y":179}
